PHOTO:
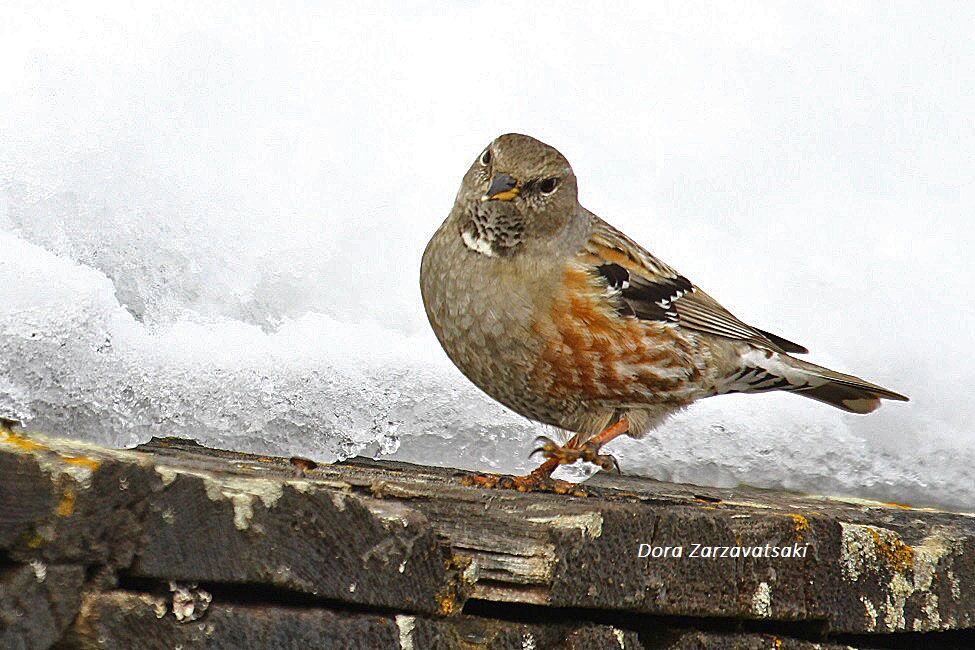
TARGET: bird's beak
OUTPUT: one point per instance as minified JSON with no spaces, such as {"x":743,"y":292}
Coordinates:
{"x":502,"y":188}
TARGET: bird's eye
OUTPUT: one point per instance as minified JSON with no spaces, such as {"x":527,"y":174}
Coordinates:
{"x":548,"y":185}
{"x":486,"y":157}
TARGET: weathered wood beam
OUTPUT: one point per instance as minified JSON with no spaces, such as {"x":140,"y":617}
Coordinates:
{"x":403,"y":540}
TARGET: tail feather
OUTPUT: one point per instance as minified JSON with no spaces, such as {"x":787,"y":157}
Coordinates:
{"x":843,"y":391}
{"x":760,"y":373}
{"x":842,"y":396}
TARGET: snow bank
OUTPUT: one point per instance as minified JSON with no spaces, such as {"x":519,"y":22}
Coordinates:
{"x":211,"y":222}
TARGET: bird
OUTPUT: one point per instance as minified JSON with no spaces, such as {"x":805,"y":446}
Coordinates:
{"x":562,"y":318}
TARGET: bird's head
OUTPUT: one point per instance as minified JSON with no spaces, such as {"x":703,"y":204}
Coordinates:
{"x":518,"y":190}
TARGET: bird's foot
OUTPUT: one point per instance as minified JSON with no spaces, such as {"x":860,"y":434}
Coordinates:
{"x":540,"y":480}
{"x":566,"y":454}
{"x":534,"y":482}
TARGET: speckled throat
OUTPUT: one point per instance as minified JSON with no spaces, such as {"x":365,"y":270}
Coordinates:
{"x":492,"y":228}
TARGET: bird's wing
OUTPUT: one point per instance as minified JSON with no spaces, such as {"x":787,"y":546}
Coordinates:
{"x":646,"y":288}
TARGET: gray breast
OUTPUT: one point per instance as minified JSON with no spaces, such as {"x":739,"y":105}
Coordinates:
{"x":481,"y":309}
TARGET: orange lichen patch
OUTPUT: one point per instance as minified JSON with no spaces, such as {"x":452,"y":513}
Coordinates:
{"x":448,"y":605}
{"x":801,"y":525}
{"x":777,"y":643}
{"x":450,"y":599}
{"x":898,"y":554}
{"x":32,"y":446}
{"x":21,"y":442}
{"x":81,"y":461}
{"x":902,"y":506}
{"x":66,"y":505}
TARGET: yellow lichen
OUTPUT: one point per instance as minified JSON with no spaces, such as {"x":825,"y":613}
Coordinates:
{"x":450,"y":599}
{"x":448,"y":604}
{"x":800,"y":524}
{"x":902,"y":506}
{"x":26,"y":444}
{"x":66,"y":505}
{"x":52,"y":460}
{"x":81,"y":461}
{"x":898,"y":554}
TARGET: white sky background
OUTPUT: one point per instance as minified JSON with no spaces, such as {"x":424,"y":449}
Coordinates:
{"x":813,"y":169}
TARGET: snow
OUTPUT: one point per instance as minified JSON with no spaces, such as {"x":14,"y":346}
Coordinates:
{"x":211,"y":220}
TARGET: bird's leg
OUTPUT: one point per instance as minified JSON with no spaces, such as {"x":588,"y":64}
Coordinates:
{"x":555,"y":455}
{"x":588,"y":451}
{"x":541,"y":477}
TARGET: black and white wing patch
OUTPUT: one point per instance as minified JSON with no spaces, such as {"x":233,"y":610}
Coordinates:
{"x":644,"y":287}
{"x":643,"y":298}
{"x":677,"y":300}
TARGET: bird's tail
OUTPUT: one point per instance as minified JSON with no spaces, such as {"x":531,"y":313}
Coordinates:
{"x":763,"y":371}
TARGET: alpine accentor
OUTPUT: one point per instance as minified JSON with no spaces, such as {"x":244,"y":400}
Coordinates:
{"x":567,"y":321}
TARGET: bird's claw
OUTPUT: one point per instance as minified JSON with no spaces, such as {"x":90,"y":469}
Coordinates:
{"x":569,"y":455}
{"x":546,"y":446}
{"x":590,"y":454}
{"x":609,"y":464}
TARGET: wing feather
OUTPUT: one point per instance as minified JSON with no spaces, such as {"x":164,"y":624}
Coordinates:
{"x":650,"y":289}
